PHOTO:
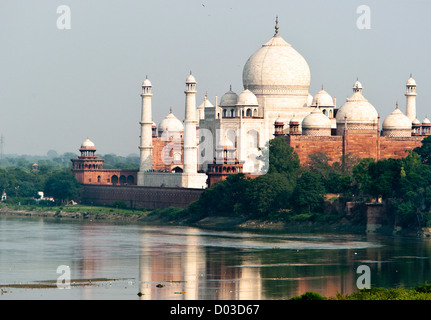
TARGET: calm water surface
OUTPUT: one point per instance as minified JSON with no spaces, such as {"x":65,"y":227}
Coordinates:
{"x":191,"y":264}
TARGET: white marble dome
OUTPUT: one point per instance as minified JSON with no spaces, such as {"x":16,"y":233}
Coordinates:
{"x":397,"y":120}
{"x":247,"y":98}
{"x":316,"y":119}
{"x":87,"y":144}
{"x":426,"y":121}
{"x":171,"y":124}
{"x":146,"y":83}
{"x":276,"y":68}
{"x":323,"y":99}
{"x":411,"y":82}
{"x":206,"y":103}
{"x":229,"y":99}
{"x":190,"y":79}
{"x":357,"y":109}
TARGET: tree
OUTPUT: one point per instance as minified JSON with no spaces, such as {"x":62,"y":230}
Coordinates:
{"x":309,"y":193}
{"x":424,"y":151}
{"x":280,"y":158}
{"x":267,"y":194}
{"x":384,"y":177}
{"x":62,"y":185}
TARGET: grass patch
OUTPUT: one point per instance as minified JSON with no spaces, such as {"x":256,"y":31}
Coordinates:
{"x":418,"y":293}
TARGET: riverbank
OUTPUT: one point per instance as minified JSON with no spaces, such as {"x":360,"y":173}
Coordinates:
{"x":171,"y":217}
{"x":174,"y":217}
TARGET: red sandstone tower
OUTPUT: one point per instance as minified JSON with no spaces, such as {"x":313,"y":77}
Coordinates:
{"x":88,"y":169}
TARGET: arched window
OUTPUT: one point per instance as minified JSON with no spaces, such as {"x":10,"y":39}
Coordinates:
{"x":130,"y":179}
{"x":123,"y":179}
{"x":114,"y":179}
{"x":232,"y":113}
{"x":248,"y":113}
{"x":224,"y":113}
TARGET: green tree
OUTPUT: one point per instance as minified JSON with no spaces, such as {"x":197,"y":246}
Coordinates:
{"x":280,"y":158}
{"x":62,"y":185}
{"x":267,"y":194}
{"x":424,"y":151}
{"x":309,"y":193}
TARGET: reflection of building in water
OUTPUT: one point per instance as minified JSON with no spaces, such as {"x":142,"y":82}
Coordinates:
{"x":186,"y":272}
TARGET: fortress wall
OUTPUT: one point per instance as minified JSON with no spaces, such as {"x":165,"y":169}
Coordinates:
{"x":139,"y":197}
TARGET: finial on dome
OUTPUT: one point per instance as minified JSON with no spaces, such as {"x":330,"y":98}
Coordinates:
{"x":397,"y":104}
{"x":230,"y":87}
{"x":170,"y":110}
{"x":276,"y":26}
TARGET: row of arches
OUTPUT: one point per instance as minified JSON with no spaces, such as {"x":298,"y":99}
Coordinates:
{"x":230,"y":113}
{"x":225,"y":169}
{"x":87,"y":166}
{"x":122,"y":180}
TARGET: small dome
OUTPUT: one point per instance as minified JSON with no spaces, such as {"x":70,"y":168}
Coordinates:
{"x":294,"y":120}
{"x":190,"y":79}
{"x":206,"y":103}
{"x":397,"y":120}
{"x":146,"y":83}
{"x":279,"y":121}
{"x":87,"y":144}
{"x":171,"y":123}
{"x":316,"y":119}
{"x":411,"y":82}
{"x":229,"y":99}
{"x":247,"y":98}
{"x":426,"y":121}
{"x":357,"y":109}
{"x":323,"y":99}
{"x":357,"y":86}
{"x":416,"y":122}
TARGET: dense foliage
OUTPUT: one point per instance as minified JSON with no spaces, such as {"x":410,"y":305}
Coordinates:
{"x":417,"y":293}
{"x":291,"y":192}
{"x":21,"y":180}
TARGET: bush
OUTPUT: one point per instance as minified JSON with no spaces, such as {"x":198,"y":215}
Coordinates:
{"x":119,"y":204}
{"x":309,"y":296}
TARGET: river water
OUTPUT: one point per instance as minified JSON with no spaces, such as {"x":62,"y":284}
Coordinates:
{"x":108,"y":261}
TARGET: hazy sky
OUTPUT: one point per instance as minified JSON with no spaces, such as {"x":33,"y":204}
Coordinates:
{"x":58,"y":87}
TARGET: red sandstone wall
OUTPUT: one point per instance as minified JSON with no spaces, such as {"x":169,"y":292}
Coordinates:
{"x":396,"y":147}
{"x":104,"y":176}
{"x":362,"y":145}
{"x":368,"y":145}
{"x":307,"y":145}
{"x":159,"y":151}
{"x":140,"y":197}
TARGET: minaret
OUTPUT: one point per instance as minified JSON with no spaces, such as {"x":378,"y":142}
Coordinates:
{"x":411,"y":98}
{"x":146,"y":144}
{"x":190,"y":122}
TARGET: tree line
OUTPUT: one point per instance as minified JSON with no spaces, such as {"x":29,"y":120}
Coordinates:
{"x":291,"y":192}
{"x":21,"y":180}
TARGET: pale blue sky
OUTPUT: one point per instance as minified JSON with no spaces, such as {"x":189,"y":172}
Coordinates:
{"x":58,"y":87}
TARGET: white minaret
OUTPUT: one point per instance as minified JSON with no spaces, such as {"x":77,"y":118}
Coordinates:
{"x":146,"y":144}
{"x":190,"y":123}
{"x":411,"y":98}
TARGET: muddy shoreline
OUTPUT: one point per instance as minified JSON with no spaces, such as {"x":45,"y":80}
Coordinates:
{"x":214,"y":223}
{"x":217,"y":223}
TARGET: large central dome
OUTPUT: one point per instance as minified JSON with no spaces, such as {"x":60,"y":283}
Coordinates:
{"x":276,"y":68}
